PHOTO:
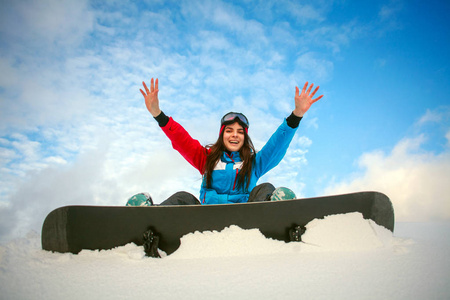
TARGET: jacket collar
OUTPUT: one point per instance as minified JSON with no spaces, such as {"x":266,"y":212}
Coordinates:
{"x":231,"y":157}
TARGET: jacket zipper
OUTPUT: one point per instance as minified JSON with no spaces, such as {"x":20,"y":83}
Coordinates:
{"x":237,"y":171}
{"x":235,"y":179}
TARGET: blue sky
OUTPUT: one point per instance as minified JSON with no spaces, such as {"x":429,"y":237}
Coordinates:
{"x":74,"y":128}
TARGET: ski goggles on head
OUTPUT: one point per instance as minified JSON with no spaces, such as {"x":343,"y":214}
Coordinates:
{"x":234,"y":116}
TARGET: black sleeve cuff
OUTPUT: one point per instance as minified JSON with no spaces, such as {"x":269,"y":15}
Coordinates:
{"x":293,"y":121}
{"x":162,"y":119}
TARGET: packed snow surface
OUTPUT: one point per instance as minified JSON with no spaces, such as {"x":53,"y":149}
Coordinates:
{"x":341,"y":257}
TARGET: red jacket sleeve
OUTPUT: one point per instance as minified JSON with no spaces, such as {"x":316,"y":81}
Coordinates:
{"x":188,"y":147}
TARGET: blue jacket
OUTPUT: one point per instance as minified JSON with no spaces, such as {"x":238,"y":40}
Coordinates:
{"x":224,"y":177}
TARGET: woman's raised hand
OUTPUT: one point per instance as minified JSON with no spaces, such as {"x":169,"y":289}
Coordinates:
{"x":151,"y":97}
{"x":304,"y":100}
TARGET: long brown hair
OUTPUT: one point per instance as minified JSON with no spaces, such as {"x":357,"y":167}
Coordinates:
{"x":246,"y":153}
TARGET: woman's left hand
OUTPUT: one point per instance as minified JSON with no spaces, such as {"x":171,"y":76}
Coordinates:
{"x":304,"y":100}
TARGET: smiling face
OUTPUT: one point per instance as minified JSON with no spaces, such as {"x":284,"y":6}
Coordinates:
{"x":233,"y":137}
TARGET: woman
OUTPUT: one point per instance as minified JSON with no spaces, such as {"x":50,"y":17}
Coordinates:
{"x":231,"y":167}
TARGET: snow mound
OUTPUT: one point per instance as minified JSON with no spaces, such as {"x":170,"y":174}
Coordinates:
{"x":345,"y":232}
{"x":129,"y":251}
{"x":232,"y":241}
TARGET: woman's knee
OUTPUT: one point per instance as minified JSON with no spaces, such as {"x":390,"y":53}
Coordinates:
{"x":261,"y":192}
{"x":181,"y":198}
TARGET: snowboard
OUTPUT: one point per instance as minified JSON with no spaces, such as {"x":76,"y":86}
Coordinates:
{"x":74,"y":228}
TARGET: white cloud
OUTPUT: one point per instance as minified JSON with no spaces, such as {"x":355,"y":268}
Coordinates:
{"x":434,"y":116}
{"x":389,"y":17}
{"x":304,"y":141}
{"x":46,"y":22}
{"x":416,"y":180}
{"x":389,"y":11}
{"x":37,"y":37}
{"x":334,"y":37}
{"x":312,"y":122}
{"x":227,"y":16}
{"x":318,"y":68}
{"x":304,"y":13}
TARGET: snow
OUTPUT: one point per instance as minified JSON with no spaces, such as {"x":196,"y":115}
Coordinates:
{"x":342,"y":257}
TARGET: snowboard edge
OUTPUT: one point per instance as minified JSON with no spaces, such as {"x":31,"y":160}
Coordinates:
{"x":54,"y":231}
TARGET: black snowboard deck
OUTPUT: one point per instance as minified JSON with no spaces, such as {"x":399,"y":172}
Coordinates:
{"x":74,"y":228}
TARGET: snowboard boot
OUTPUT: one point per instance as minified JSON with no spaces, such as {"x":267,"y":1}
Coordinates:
{"x":282,"y":193}
{"x":150,"y":242}
{"x":295,"y":233}
{"x":141,"y":199}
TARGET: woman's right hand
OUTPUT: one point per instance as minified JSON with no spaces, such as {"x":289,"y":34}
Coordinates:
{"x":151,"y":97}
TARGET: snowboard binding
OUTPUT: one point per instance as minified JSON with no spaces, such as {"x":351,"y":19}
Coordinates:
{"x":282,"y":193}
{"x":141,"y":199}
{"x":295,"y":233}
{"x":151,"y":241}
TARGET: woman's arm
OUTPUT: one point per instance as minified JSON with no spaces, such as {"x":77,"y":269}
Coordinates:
{"x":188,"y":147}
{"x":275,"y":149}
